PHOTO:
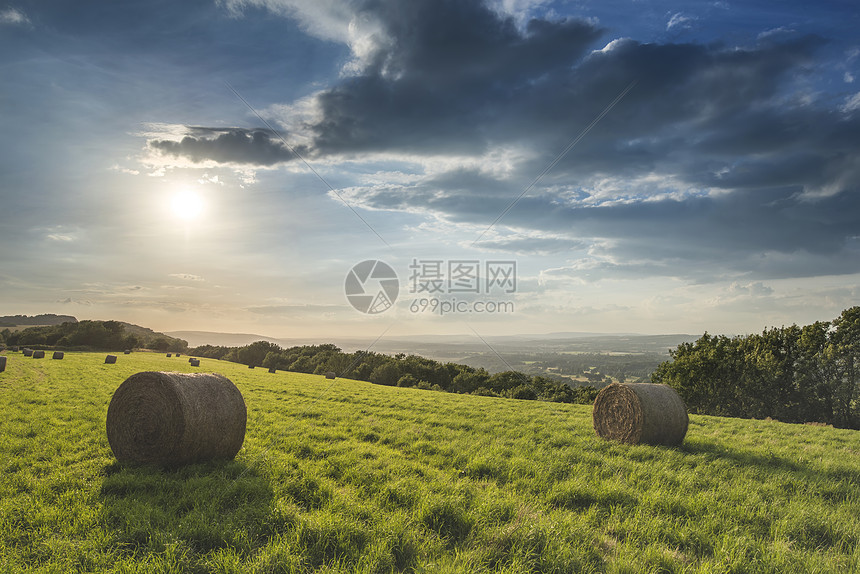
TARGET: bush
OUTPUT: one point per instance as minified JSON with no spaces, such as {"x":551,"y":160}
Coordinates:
{"x":523,"y":392}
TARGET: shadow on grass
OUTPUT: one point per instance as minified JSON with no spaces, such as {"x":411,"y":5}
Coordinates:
{"x":200,"y":507}
{"x":839,"y":477}
{"x":716,"y":451}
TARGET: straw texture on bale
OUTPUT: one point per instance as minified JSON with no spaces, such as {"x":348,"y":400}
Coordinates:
{"x":58,"y":355}
{"x":194,"y":362}
{"x":640,"y":413}
{"x":330,"y":375}
{"x":28,"y":352}
{"x":110,"y":359}
{"x":171,"y":419}
{"x":2,"y":364}
{"x":38,"y":354}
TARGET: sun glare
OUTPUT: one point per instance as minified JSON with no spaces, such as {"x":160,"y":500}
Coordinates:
{"x":187,"y":205}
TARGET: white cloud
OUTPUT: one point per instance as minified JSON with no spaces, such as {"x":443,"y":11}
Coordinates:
{"x":678,"y":20}
{"x":210,"y":179}
{"x":332,"y":20}
{"x":119,"y":168}
{"x":848,"y":77}
{"x":775,"y":32}
{"x":14,"y":17}
{"x":614,"y":44}
{"x":187,"y":277}
{"x":756,"y":289}
{"x":851,"y":103}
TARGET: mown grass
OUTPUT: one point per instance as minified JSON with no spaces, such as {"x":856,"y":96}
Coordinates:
{"x":345,"y":476}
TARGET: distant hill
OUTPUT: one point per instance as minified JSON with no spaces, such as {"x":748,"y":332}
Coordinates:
{"x":467,"y":348}
{"x":198,"y":338}
{"x":36,"y":320}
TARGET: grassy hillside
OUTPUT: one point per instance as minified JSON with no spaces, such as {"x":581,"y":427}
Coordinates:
{"x":345,"y":476}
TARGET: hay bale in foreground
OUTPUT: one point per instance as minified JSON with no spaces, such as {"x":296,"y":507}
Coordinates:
{"x":58,"y":355}
{"x":28,"y":352}
{"x":640,"y":413}
{"x":194,"y":362}
{"x":176,"y":418}
{"x":2,"y":363}
{"x":110,"y":360}
{"x":38,"y":354}
{"x":330,"y":375}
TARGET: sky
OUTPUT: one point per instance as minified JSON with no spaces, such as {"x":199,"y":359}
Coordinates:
{"x":517,"y":166}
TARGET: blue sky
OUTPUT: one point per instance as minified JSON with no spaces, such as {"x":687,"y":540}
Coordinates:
{"x":221,"y":165}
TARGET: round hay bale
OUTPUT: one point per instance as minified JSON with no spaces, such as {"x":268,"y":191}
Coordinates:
{"x":28,"y":352}
{"x":110,"y":360}
{"x":272,"y":369}
{"x":194,"y":362}
{"x":178,"y":354}
{"x":58,"y":355}
{"x":176,"y":418}
{"x":2,"y":363}
{"x":169,"y":355}
{"x":38,"y":354}
{"x":640,"y":413}
{"x":127,"y":352}
{"x":330,"y":375}
{"x":250,"y":366}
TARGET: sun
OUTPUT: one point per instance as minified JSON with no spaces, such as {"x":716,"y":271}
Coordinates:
{"x":187,"y":205}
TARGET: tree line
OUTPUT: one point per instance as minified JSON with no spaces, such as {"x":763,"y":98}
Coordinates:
{"x":400,"y":370}
{"x":92,"y":335}
{"x":792,"y":374}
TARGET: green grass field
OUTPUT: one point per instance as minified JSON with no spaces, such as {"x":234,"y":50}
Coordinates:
{"x":344,"y":476}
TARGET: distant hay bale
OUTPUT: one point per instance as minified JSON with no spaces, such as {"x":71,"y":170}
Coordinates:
{"x":15,"y":349}
{"x":110,"y":359}
{"x":194,"y":362}
{"x":178,"y":354}
{"x":272,"y":369}
{"x":38,"y":354}
{"x":127,"y":352}
{"x":58,"y":355}
{"x":171,"y":419}
{"x":250,"y":366}
{"x":28,"y":352}
{"x":330,"y":375}
{"x":169,"y":355}
{"x":2,"y":363}
{"x":640,"y":413}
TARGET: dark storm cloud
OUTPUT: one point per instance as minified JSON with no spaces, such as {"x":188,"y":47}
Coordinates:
{"x":256,"y":147}
{"x":449,"y":71}
{"x":742,"y":157}
{"x":702,"y":117}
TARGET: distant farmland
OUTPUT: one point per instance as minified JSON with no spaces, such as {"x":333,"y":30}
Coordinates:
{"x":344,"y":476}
